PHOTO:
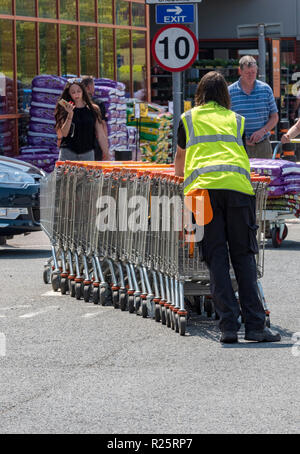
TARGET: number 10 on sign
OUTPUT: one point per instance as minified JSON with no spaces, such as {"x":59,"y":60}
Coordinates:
{"x":174,"y":47}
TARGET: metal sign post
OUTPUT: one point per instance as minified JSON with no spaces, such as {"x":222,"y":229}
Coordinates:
{"x":261,"y":31}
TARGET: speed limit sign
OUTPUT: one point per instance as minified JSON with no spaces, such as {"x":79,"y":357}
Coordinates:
{"x":174,"y":47}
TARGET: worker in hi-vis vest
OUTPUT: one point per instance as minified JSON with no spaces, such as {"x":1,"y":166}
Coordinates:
{"x":211,"y":157}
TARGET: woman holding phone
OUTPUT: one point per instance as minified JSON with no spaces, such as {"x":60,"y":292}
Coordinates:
{"x":78,"y":122}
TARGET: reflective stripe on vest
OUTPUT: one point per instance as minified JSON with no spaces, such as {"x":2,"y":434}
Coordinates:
{"x":218,"y":168}
{"x":194,"y":140}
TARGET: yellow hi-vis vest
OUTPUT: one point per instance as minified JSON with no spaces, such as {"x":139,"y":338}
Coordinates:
{"x":215,"y":155}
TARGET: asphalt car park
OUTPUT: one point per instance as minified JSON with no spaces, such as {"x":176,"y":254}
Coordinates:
{"x":75,"y":367}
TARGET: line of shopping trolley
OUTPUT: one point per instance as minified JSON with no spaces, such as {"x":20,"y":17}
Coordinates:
{"x":120,"y":235}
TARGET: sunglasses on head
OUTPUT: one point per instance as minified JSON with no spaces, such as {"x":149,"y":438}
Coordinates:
{"x":75,"y":80}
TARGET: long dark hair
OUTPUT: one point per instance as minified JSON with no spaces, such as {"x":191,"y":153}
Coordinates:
{"x":212,"y":87}
{"x":61,"y":114}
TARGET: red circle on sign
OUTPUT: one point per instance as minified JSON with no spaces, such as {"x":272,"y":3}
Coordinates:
{"x":193,"y":58}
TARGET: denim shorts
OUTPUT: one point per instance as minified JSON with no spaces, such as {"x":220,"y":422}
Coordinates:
{"x":65,"y":154}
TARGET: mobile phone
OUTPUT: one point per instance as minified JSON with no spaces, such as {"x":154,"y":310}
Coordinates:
{"x":63,"y":102}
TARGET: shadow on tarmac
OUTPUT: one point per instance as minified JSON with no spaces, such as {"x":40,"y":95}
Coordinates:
{"x":206,"y":328}
{"x":12,"y":253}
{"x":286,"y":245}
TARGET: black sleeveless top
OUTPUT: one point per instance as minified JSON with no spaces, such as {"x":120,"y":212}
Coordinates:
{"x":81,"y":136}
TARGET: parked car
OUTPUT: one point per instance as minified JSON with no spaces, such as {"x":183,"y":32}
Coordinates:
{"x":19,"y":197}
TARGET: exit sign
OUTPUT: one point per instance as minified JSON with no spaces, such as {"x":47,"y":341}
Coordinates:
{"x":175,"y":14}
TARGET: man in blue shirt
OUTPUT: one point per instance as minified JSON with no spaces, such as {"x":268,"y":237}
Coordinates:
{"x":255,"y":101}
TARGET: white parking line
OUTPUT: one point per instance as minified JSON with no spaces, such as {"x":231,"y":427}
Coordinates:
{"x":52,"y":293}
{"x":90,"y":314}
{"x":42,"y":311}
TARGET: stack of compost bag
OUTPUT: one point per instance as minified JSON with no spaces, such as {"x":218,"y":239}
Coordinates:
{"x":284,"y":187}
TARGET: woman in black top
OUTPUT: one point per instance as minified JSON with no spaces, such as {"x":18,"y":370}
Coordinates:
{"x":78,"y":122}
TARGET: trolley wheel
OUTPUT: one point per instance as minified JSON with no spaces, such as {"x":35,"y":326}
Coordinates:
{"x":47,"y":275}
{"x":208,"y":307}
{"x":130,"y":304}
{"x":157,"y":312}
{"x":86,"y":293}
{"x":144,"y":309}
{"x":182,"y":325}
{"x":78,"y":290}
{"x":55,"y":282}
{"x":168,"y":317}
{"x":176,"y":318}
{"x":72,"y":288}
{"x":163,"y":315}
{"x":102,"y":296}
{"x":64,"y":285}
{"x":95,"y":295}
{"x":115,"y":298}
{"x":276,"y":240}
{"x":137,"y":303}
{"x":172,"y":319}
{"x":123,"y":301}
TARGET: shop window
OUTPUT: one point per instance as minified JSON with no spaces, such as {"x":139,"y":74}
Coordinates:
{"x":106,"y":53}
{"x":122,"y":12}
{"x":25,"y":8}
{"x":87,"y":10}
{"x":123,"y":58}
{"x":48,"y":48}
{"x":8,"y":137}
{"x":88,"y":50}
{"x":26,"y":55}
{"x":67,"y":9}
{"x":68,"y":37}
{"x":105,"y":9}
{"x":5,"y":7}
{"x":138,"y":15}
{"x":7,"y":89}
{"x":139,"y":64}
{"x":47,"y":8}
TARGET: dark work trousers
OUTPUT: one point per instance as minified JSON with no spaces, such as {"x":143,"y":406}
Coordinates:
{"x":232,"y":233}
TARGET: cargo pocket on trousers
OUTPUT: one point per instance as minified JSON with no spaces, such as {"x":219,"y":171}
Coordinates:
{"x":253,"y":245}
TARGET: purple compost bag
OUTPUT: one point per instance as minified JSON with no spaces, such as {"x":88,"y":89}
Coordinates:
{"x":110,"y":83}
{"x":47,"y":140}
{"x":44,"y":98}
{"x":292,"y":179}
{"x":274,"y":167}
{"x":4,"y":126}
{"x":42,"y":112}
{"x":52,"y":91}
{"x":35,"y":149}
{"x":6,"y":139}
{"x":293,"y":188}
{"x":43,"y":128}
{"x":43,"y":105}
{"x":48,"y":81}
{"x":277,"y":181}
{"x":276,"y":190}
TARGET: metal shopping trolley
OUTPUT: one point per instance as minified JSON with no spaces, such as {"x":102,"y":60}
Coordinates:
{"x":119,"y":235}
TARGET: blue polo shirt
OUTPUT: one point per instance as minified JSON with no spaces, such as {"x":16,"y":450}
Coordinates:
{"x":256,"y":107}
